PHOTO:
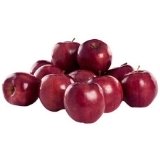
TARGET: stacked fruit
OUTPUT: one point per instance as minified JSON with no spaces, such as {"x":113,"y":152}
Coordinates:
{"x":78,"y":79}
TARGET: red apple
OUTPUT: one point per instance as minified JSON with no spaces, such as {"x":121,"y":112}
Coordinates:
{"x":52,"y":91}
{"x":64,"y":55}
{"x":81,"y":75}
{"x":94,"y":55}
{"x":21,"y":89}
{"x":112,"y":89}
{"x":38,"y":64}
{"x":140,"y":88}
{"x":45,"y":70}
{"x":84,"y":102}
{"x":120,"y":72}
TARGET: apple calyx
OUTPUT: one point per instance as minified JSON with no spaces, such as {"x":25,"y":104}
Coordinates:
{"x":11,"y":90}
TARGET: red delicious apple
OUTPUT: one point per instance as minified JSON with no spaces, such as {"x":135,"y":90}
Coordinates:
{"x":112,"y":89}
{"x":84,"y":102}
{"x":64,"y":55}
{"x":81,"y":75}
{"x":120,"y":72}
{"x":45,"y":70}
{"x":94,"y":55}
{"x":21,"y":89}
{"x":38,"y":64}
{"x":140,"y":88}
{"x":52,"y":91}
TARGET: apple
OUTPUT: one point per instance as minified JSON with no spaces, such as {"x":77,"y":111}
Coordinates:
{"x":84,"y":102}
{"x":81,"y":75}
{"x":140,"y":88}
{"x":52,"y":91}
{"x":38,"y":64}
{"x":94,"y":55}
{"x":21,"y":89}
{"x":120,"y":72}
{"x":64,"y":55}
{"x":112,"y":89}
{"x":45,"y":70}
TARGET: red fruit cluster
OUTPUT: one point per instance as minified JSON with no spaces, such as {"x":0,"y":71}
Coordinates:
{"x":78,"y":79}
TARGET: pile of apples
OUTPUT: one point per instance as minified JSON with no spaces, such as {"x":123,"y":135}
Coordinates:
{"x":78,"y":79}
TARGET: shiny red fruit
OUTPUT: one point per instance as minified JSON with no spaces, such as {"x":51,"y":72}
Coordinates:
{"x":94,"y":55}
{"x":45,"y":70}
{"x":21,"y":89}
{"x":120,"y":72}
{"x":112,"y":89}
{"x":82,"y":75}
{"x":38,"y":64}
{"x":84,"y":102}
{"x":140,"y":88}
{"x":64,"y":55}
{"x":52,"y":91}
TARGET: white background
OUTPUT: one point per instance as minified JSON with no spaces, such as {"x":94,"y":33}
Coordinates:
{"x":28,"y":31}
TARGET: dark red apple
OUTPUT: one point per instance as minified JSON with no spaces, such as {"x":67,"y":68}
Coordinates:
{"x":81,"y":75}
{"x":120,"y":72}
{"x":94,"y":55}
{"x":38,"y":64}
{"x":52,"y":91}
{"x":140,"y":88}
{"x":64,"y":55}
{"x":84,"y":102}
{"x":21,"y":89}
{"x":45,"y":70}
{"x":112,"y":89}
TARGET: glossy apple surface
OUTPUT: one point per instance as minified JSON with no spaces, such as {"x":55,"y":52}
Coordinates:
{"x":120,"y":72}
{"x":94,"y":55}
{"x":52,"y":91}
{"x":113,"y":93}
{"x":64,"y":55}
{"x":140,"y":88}
{"x":45,"y":70}
{"x":84,"y":102}
{"x":38,"y":64}
{"x":21,"y":89}
{"x":82,"y":75}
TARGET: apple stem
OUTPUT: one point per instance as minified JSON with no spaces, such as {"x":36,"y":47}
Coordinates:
{"x":99,"y":73}
{"x":73,"y":39}
{"x":124,"y":64}
{"x":138,"y":67}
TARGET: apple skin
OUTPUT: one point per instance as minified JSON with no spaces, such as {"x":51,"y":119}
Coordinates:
{"x":120,"y":72}
{"x":140,"y":88}
{"x":81,"y":75}
{"x":64,"y":55}
{"x":84,"y":102}
{"x":45,"y":70}
{"x":38,"y":64}
{"x":52,"y":91}
{"x":94,"y":55}
{"x":112,"y":89}
{"x":21,"y":89}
